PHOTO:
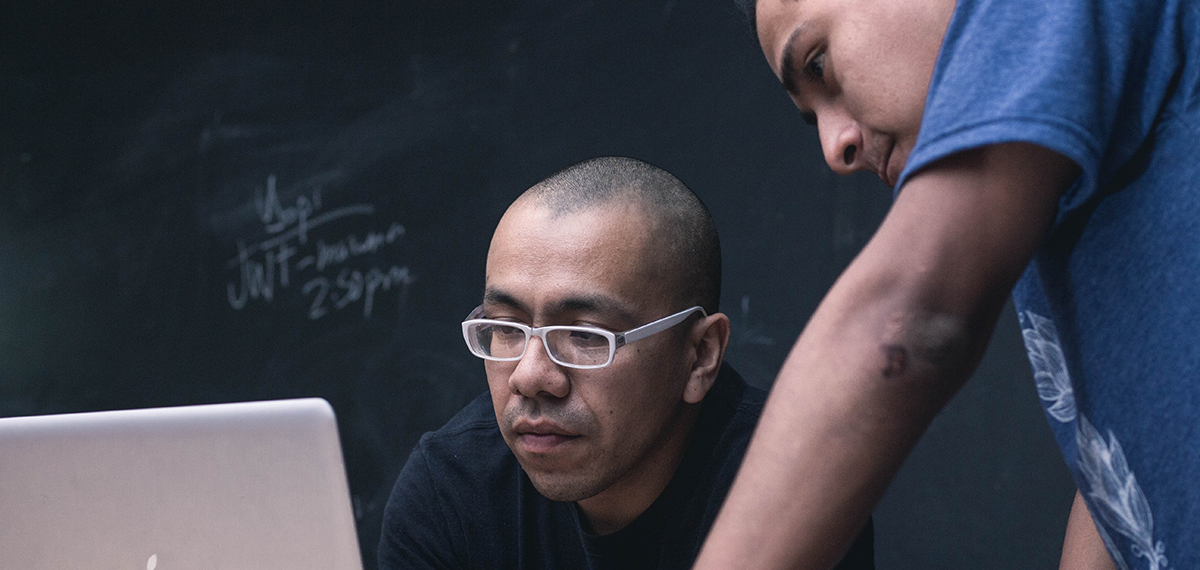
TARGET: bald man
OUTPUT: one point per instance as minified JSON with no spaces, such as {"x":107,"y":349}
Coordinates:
{"x":612,"y":429}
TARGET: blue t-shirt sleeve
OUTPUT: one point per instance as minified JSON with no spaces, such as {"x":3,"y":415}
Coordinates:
{"x":1055,"y":73}
{"x":415,"y":531}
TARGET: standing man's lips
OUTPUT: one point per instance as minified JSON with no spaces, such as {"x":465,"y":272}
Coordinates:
{"x":885,"y":170}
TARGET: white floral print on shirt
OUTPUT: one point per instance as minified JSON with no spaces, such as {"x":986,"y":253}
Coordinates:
{"x":1049,"y":366}
{"x":1116,"y":499}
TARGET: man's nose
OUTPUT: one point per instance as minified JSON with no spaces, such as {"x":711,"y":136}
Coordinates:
{"x":536,"y":374}
{"x":841,"y":141}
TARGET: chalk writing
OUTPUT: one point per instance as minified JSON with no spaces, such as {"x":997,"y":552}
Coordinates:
{"x":350,"y":286}
{"x":267,"y":267}
{"x":276,"y":218}
{"x":258,"y":278}
{"x":340,"y":251}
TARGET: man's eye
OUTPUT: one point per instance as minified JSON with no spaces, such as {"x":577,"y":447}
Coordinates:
{"x":584,"y":338}
{"x":503,"y":331}
{"x":816,"y":66}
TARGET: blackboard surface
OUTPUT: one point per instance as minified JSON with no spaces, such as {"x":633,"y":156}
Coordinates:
{"x":222,"y":201}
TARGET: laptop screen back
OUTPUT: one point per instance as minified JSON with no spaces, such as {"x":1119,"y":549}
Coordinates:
{"x":257,"y":485}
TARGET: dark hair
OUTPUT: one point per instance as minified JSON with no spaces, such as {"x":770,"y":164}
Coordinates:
{"x":682,"y":226}
{"x":748,"y":9}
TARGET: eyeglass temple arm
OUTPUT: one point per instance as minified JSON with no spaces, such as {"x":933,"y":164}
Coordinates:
{"x":657,"y":326}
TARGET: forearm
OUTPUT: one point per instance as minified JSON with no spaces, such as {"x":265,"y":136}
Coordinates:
{"x":893,"y":340}
{"x":836,"y":428}
{"x":1082,"y":548}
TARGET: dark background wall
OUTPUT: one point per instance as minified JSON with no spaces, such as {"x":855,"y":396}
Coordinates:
{"x":221,"y":201}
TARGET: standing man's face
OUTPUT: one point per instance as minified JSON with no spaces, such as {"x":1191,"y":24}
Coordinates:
{"x":860,"y":69}
{"x":579,"y":433}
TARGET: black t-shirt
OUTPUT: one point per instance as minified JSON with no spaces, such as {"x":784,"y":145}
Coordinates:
{"x":462,"y":500}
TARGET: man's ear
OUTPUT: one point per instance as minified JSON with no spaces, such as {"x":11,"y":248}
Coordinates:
{"x":709,"y":338}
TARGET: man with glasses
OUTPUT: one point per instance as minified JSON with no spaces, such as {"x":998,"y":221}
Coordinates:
{"x":613,"y":429}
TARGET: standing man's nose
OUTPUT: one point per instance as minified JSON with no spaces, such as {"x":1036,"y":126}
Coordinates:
{"x":841,"y":141}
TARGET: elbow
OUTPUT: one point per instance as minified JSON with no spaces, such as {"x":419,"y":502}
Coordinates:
{"x":934,"y":350}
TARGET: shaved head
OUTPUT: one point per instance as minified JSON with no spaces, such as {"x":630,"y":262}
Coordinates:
{"x":685,"y":238}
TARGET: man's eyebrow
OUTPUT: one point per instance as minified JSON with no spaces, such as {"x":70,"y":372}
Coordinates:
{"x":579,"y":304}
{"x":593,"y":304}
{"x":789,"y":74}
{"x":493,"y":296}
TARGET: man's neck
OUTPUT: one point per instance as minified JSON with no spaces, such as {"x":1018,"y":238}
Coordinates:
{"x":623,"y":502}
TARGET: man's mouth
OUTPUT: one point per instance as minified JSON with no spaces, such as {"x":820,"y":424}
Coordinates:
{"x":542,"y":436}
{"x":885,"y":168}
{"x":543,"y":443}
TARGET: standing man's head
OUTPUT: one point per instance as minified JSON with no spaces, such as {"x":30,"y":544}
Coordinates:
{"x":858,"y":69}
{"x":610,"y":244}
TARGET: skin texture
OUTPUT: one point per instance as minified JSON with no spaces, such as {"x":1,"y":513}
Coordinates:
{"x":906,"y":323}
{"x":1082,"y":548}
{"x":608,"y":438}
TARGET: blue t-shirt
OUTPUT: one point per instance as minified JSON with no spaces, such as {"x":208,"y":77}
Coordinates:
{"x":1110,"y":305}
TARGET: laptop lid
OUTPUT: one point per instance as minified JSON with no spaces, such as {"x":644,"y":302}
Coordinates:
{"x":257,"y":485}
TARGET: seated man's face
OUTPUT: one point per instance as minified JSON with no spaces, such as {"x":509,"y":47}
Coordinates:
{"x":579,"y":432}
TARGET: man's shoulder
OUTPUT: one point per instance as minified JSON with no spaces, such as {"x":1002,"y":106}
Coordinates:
{"x":732,"y":397}
{"x":459,"y":471}
{"x":735,"y":407}
{"x":469,"y":441}
{"x":456,"y":497}
{"x":752,"y":401}
{"x":720,"y":437}
{"x":476,"y":416}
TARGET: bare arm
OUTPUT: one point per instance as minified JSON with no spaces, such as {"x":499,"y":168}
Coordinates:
{"x":893,"y":340}
{"x":1082,"y":547}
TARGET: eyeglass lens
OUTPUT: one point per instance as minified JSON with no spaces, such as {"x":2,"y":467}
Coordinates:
{"x":565,"y":345}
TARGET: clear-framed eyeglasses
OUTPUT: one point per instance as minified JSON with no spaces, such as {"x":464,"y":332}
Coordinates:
{"x":570,"y":346}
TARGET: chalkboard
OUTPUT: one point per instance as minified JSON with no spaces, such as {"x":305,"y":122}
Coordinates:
{"x":227,"y":201}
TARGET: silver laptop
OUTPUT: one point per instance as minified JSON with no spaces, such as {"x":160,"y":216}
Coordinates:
{"x":248,"y":486}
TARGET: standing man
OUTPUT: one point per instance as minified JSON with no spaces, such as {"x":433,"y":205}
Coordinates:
{"x":1045,"y":148}
{"x":611,"y":429}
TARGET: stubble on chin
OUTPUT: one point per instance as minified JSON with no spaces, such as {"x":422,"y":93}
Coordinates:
{"x":565,"y":488}
{"x":571,"y":478}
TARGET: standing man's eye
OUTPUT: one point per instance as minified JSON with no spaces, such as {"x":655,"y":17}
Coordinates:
{"x":816,"y":66}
